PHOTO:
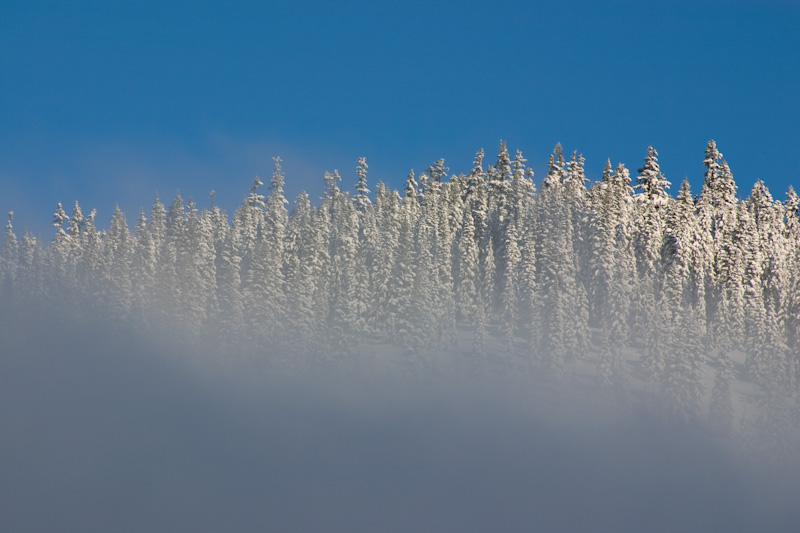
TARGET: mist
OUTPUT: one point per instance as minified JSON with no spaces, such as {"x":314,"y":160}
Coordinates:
{"x":104,"y":430}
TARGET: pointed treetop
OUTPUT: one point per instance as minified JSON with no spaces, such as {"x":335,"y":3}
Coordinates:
{"x":475,"y":178}
{"x":712,"y":154}
{"x":760,"y":197}
{"x":575,"y":177}
{"x":651,"y":182}
{"x":141,"y":225}
{"x":437,"y":171}
{"x":410,"y":189}
{"x":331,"y":182}
{"x":177,"y":203}
{"x":302,"y":199}
{"x":362,"y":200}
{"x":711,"y":162}
{"x":361,"y":168}
{"x":607,"y":172}
{"x":59,"y":217}
{"x":726,"y":187}
{"x":90,"y":219}
{"x":118,"y":228}
{"x":302,"y":206}
{"x":621,"y":176}
{"x":477,"y":163}
{"x":685,"y":192}
{"x":254,"y":199}
{"x":792,"y":202}
{"x":75,"y":225}
{"x":277,"y":181}
{"x":519,"y":162}
{"x":719,"y":189}
{"x":556,"y":172}
{"x":503,"y":165}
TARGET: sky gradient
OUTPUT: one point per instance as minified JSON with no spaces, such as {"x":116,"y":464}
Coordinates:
{"x":110,"y":104}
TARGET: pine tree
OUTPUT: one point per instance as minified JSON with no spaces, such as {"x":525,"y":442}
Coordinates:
{"x":298,"y":272}
{"x":647,"y":240}
{"x":651,"y":183}
{"x":400,"y":305}
{"x":117,"y":254}
{"x":557,"y":279}
{"x":9,"y":266}
{"x":556,"y":172}
{"x":387,"y":209}
{"x":467,"y":273}
{"x":362,"y":192}
{"x":60,"y":248}
{"x":8,"y":259}
{"x":792,"y":313}
{"x":346,"y":321}
{"x":510,"y":288}
{"x":719,"y":189}
{"x":229,"y":320}
{"x":263,"y":291}
{"x":529,"y":303}
{"x":143,"y":273}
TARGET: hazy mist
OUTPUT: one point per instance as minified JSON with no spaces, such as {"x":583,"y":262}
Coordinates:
{"x":104,"y":430}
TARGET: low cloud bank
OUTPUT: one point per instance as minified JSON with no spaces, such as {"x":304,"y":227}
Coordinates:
{"x":104,"y":431}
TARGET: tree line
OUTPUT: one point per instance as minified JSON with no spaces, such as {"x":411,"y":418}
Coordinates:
{"x":567,"y":272}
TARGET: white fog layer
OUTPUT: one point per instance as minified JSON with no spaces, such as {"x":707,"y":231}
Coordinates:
{"x":467,"y":354}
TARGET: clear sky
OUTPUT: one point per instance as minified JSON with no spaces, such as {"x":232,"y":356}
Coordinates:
{"x":109,"y":102}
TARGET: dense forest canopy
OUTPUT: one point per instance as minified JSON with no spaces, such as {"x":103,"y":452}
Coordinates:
{"x":538,"y":279}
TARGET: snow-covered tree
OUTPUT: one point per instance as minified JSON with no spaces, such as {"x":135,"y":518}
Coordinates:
{"x":651,"y":183}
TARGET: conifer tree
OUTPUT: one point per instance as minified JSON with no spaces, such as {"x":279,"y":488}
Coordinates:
{"x":229,"y":318}
{"x":557,"y":279}
{"x":614,"y":270}
{"x":467,"y":273}
{"x":387,"y":209}
{"x":362,"y":192}
{"x":143,"y":273}
{"x":299,"y":271}
{"x":9,"y":254}
{"x":650,"y":182}
{"x":8,"y":273}
{"x":117,"y":254}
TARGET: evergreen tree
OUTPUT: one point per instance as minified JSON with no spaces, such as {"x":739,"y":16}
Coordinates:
{"x":614,"y":270}
{"x":9,"y":266}
{"x":651,"y":183}
{"x":143,"y":273}
{"x":298,"y":271}
{"x":117,"y":254}
{"x":8,"y":259}
{"x":468,"y":268}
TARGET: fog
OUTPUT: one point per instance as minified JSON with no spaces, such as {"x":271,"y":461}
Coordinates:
{"x":108,"y":430}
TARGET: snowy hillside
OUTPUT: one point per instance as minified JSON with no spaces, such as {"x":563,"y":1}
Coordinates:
{"x":598,"y":308}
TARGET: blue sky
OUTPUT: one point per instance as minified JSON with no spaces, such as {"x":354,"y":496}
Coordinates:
{"x":110,"y":102}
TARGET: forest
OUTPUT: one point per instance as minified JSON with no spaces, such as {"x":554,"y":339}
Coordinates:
{"x":694,"y":298}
